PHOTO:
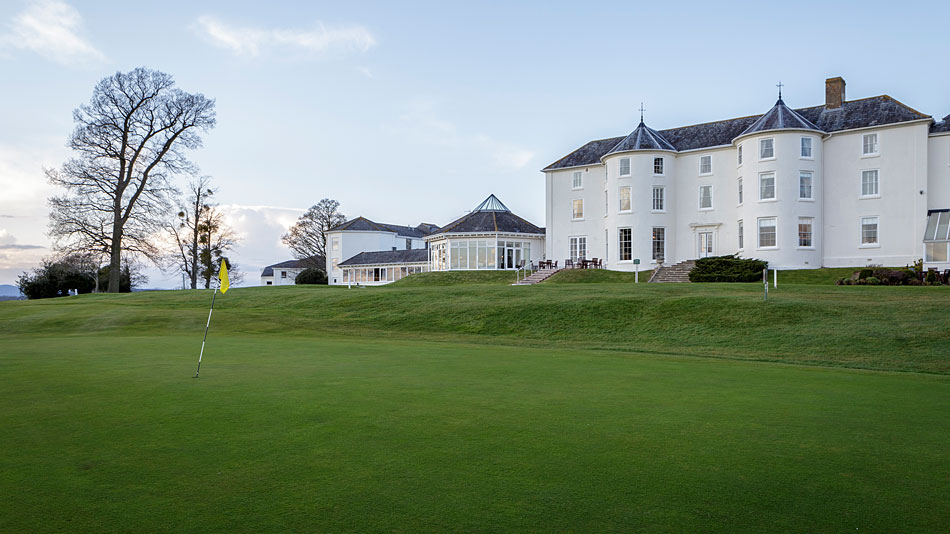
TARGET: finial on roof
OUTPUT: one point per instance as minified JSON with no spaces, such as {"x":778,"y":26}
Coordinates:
{"x":642,"y":109}
{"x":779,"y":85}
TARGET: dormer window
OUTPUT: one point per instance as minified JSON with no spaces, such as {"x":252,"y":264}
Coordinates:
{"x":624,"y":166}
{"x":658,"y":166}
{"x":705,"y":165}
{"x":869,"y":145}
{"x":766,"y":148}
{"x":806,"y":147}
{"x":578,"y":182}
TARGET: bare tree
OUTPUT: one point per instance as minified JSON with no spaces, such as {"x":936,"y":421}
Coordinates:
{"x":129,"y":140}
{"x":308,"y":236}
{"x":186,"y":231}
{"x":215,"y":238}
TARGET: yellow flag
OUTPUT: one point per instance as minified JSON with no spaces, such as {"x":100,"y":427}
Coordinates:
{"x":223,"y":277}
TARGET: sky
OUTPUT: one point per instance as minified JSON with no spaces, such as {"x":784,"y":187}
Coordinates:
{"x":409,"y":112}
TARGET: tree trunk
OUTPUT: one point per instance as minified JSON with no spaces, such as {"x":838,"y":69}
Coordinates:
{"x":115,"y":258}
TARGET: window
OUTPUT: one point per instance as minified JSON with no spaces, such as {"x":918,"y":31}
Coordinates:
{"x":767,"y":186}
{"x":740,"y":191}
{"x":869,"y":230}
{"x":624,"y":166}
{"x":659,"y":244}
{"x":626,"y":244}
{"x":705,"y":165}
{"x":335,"y":262}
{"x":804,"y":185}
{"x":283,"y":274}
{"x":658,"y":166}
{"x":869,"y":145}
{"x":766,"y":148}
{"x":606,"y":204}
{"x":624,"y":199}
{"x":409,"y":244}
{"x":739,"y":155}
{"x":481,"y":254}
{"x":870,"y":184}
{"x":577,"y":206}
{"x":806,"y":147}
{"x":578,"y":248}
{"x":336,"y":243}
{"x":767,"y":232}
{"x":578,"y":182}
{"x":705,"y":197}
{"x":659,"y":197}
{"x":804,"y":232}
{"x":741,"y":236}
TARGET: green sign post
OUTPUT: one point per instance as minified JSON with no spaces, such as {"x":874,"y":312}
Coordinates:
{"x":636,"y":275}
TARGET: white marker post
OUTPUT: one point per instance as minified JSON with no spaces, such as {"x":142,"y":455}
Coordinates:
{"x":636,"y":274}
{"x":765,"y":282}
{"x":774,"y":278}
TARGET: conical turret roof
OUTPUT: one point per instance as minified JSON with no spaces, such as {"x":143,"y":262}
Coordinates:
{"x":780,"y":117}
{"x":643,"y":138}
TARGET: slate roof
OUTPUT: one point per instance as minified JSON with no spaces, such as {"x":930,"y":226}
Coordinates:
{"x":416,"y":255}
{"x":942,"y":126}
{"x":362,"y":224}
{"x":487,"y":218}
{"x":780,"y":117}
{"x":643,"y":138}
{"x":317,"y":261}
{"x":873,"y":111}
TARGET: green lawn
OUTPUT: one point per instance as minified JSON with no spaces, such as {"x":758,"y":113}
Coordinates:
{"x":478,"y":408}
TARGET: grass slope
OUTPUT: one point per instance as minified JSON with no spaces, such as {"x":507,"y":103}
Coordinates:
{"x":106,"y":433}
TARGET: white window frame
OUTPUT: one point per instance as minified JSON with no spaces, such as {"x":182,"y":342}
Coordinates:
{"x":811,"y":148}
{"x":740,"y":234}
{"x":762,"y":147}
{"x":662,"y":161}
{"x":877,"y":231}
{"x":701,"y":208}
{"x":662,"y":199}
{"x":606,"y":203}
{"x":740,"y":192}
{"x":774,"y":186}
{"x":706,"y":159}
{"x":574,"y":202}
{"x":620,"y":232}
{"x":577,"y":181}
{"x":335,"y":243}
{"x":620,"y":191}
{"x":758,"y":233}
{"x":876,"y":146}
{"x":811,"y":186}
{"x":877,"y":183}
{"x":574,"y":246}
{"x":620,"y":167}
{"x":811,"y":233}
{"x":653,"y":242}
{"x":739,"y":156}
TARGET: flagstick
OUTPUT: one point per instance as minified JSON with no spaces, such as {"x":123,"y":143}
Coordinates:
{"x":200,"y":354}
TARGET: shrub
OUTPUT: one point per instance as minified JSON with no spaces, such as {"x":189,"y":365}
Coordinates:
{"x":311,"y":276}
{"x":872,"y":281}
{"x":55,"y":279}
{"x":931,"y":277}
{"x":727,"y":269}
{"x":864,"y":273}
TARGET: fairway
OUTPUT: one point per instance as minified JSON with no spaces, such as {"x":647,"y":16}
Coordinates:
{"x":301,"y":426}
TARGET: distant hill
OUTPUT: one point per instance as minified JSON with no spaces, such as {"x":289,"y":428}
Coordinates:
{"x":8,"y":290}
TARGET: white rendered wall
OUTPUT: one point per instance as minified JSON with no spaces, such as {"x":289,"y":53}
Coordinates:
{"x":938,"y":172}
{"x":559,"y":225}
{"x":354,"y":242}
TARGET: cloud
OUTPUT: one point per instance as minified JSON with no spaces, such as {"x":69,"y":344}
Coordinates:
{"x":249,"y":41}
{"x":51,"y":29}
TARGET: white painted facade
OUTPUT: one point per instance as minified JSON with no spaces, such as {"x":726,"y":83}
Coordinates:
{"x":911,"y":165}
{"x":345,"y":244}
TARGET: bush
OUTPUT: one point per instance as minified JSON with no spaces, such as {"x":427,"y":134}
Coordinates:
{"x":864,"y":273}
{"x":311,"y":276}
{"x":55,"y":279}
{"x":872,"y":281}
{"x":931,"y":277}
{"x":727,"y":269}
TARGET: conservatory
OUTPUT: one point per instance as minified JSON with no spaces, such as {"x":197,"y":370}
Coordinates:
{"x":490,"y":237}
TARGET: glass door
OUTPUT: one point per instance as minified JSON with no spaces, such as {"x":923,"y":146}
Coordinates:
{"x":705,"y":244}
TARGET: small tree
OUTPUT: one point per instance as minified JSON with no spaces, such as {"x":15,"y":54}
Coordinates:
{"x":186,"y":231}
{"x":215,"y":238}
{"x":307,"y":238}
{"x":311,"y":276}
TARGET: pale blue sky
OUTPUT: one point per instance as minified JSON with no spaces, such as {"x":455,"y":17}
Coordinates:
{"x":409,"y":112}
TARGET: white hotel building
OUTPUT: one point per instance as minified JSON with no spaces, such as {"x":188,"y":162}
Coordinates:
{"x":847,"y":183}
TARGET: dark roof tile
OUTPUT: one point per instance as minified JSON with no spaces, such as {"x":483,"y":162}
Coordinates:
{"x":416,"y":255}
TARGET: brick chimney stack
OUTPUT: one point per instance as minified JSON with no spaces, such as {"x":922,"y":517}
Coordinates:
{"x":834,"y":92}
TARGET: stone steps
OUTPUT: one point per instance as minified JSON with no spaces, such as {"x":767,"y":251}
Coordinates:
{"x":536,"y":277}
{"x":678,"y":273}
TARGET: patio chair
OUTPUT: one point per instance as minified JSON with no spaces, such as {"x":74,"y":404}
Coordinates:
{"x":568,"y":263}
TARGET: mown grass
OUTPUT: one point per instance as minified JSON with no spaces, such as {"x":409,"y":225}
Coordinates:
{"x":305,"y":432}
{"x":597,"y":276}
{"x":824,"y":276}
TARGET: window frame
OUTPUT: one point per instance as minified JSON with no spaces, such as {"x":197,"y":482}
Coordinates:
{"x":739,"y":155}
{"x":811,"y":186}
{"x":811,"y":148}
{"x":761,"y":145}
{"x":662,"y":208}
{"x":740,"y":191}
{"x":707,"y":158}
{"x":620,"y":244}
{"x":877,"y":231}
{"x":574,"y":209}
{"x":758,"y":233}
{"x":620,"y":163}
{"x":774,"y":196}
{"x":811,"y":233}
{"x":662,"y":161}
{"x":620,"y":199}
{"x":740,"y":233}
{"x":575,"y":186}
{"x":877,"y":183}
{"x":574,"y":242}
{"x":877,"y":145}
{"x":653,"y":242}
{"x":711,"y":204}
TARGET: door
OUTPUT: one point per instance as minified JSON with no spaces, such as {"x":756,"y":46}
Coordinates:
{"x":705,"y":244}
{"x":510,"y":254}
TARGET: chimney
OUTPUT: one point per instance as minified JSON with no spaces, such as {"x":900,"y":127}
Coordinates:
{"x":834,"y":92}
